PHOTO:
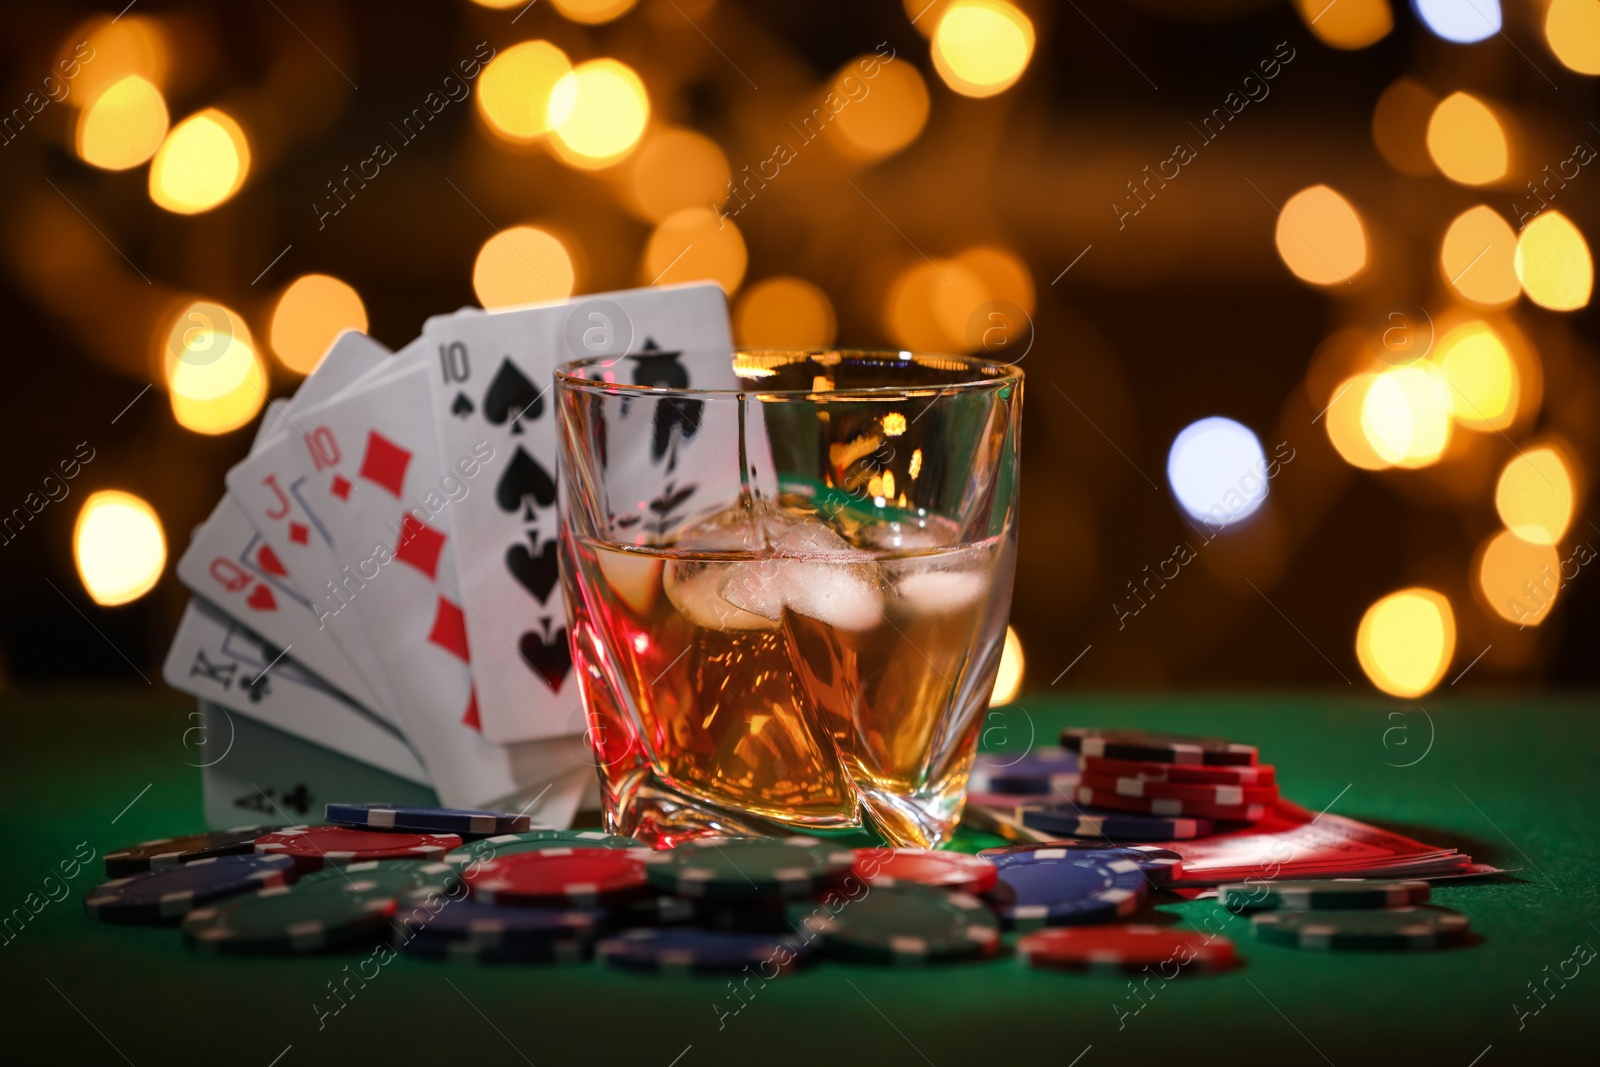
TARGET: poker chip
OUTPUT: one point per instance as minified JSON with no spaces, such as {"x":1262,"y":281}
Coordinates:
{"x":945,"y":870}
{"x":903,"y":924}
{"x":1263,"y":774}
{"x":1040,"y":771}
{"x":745,"y":868}
{"x":662,"y":909}
{"x":428,"y":820}
{"x":314,"y":847}
{"x":1329,"y":894}
{"x":1166,"y":806}
{"x":1011,"y":800}
{"x":702,"y":951}
{"x":501,"y":926}
{"x":1007,"y":785}
{"x":1159,"y":865}
{"x":1072,"y":821}
{"x":1157,"y":748}
{"x":1073,"y":889}
{"x":284,"y":920}
{"x":586,"y":877}
{"x":488,"y":848}
{"x":171,"y":851}
{"x":1398,"y":929}
{"x":171,"y":892}
{"x":1188,"y":792}
{"x":395,"y":878}
{"x":550,"y":952}
{"x":1127,"y":948}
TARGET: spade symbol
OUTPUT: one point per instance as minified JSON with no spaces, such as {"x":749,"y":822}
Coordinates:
{"x":662,"y":370}
{"x":547,"y":654}
{"x":462,"y":407}
{"x":511,"y":396}
{"x":524,"y":477}
{"x":536,"y":573}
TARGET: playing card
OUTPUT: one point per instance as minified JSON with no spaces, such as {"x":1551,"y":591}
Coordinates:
{"x":491,"y":376}
{"x":215,"y":658}
{"x":252,"y":774}
{"x":366,"y":473}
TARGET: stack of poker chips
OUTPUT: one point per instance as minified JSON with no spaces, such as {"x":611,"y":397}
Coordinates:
{"x":1344,"y":914}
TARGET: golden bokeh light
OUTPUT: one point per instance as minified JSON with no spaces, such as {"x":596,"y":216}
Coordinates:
{"x":931,"y":305}
{"x":1478,"y":257}
{"x":1320,"y":237}
{"x":925,"y":14}
{"x":1343,"y":423}
{"x":1467,"y":142}
{"x":1008,"y":682}
{"x":674,"y":169}
{"x":981,"y":47}
{"x":114,"y":49}
{"x":1518,"y":579}
{"x":1400,"y":127}
{"x":119,"y":547}
{"x":123,"y":127}
{"x":1572,"y":29}
{"x":1004,"y":275}
{"x":694,"y":244}
{"x":203,"y":161}
{"x":1406,"y":640}
{"x":1554,"y":264}
{"x":888,"y":117}
{"x":597,"y":114}
{"x":215,"y":380}
{"x":593,"y":12}
{"x":499,"y":5}
{"x":1536,"y":495}
{"x":522,"y":265}
{"x":1348,"y":24}
{"x":226,"y":411}
{"x":1484,"y":386}
{"x":1406,"y":415}
{"x":313,"y":311}
{"x":784,"y":312}
{"x":514,"y":90}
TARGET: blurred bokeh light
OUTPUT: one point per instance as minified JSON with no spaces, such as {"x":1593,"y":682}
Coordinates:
{"x":1406,"y":415}
{"x":981,"y":47}
{"x":514,"y":90}
{"x":1518,"y":579}
{"x":1466,"y":140}
{"x":931,"y":303}
{"x":593,"y":12}
{"x":890,"y":114}
{"x":1481,"y":377}
{"x":1343,"y":420}
{"x":522,"y":265}
{"x":784,"y":312}
{"x":1400,"y":126}
{"x":119,"y":547}
{"x":113,"y":50}
{"x":1347,"y":24}
{"x":1554,"y":264}
{"x":216,"y":382}
{"x":1320,"y":237}
{"x":1461,"y":21}
{"x":676,"y":168}
{"x":1406,"y":640}
{"x":124,"y":126}
{"x":1218,"y":471}
{"x":693,"y":244}
{"x":1572,"y":29}
{"x":1478,"y":257}
{"x":1535,"y":495}
{"x":1008,"y":682}
{"x":203,"y":161}
{"x":313,"y":310}
{"x":597,"y":114}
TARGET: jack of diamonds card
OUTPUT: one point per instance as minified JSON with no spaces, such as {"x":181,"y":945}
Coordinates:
{"x":491,"y":377}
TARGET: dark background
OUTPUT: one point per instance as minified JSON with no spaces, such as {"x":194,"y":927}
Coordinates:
{"x":1187,"y":312}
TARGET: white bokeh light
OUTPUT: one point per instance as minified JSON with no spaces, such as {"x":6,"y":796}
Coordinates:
{"x":1218,"y":471}
{"x":1461,"y":21}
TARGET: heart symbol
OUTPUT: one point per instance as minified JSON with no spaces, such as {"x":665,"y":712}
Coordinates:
{"x":261,"y":599}
{"x":551,"y":658}
{"x":270,"y":563}
{"x":537,"y":574}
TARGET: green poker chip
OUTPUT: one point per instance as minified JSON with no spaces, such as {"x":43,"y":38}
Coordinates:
{"x":1394,"y":930}
{"x":1327,"y":894}
{"x":392,"y":878}
{"x":286,"y":920}
{"x":488,"y":848}
{"x":902,"y":924}
{"x":749,"y":868}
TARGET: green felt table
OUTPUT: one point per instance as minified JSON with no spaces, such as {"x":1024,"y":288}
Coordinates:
{"x":1512,"y":781}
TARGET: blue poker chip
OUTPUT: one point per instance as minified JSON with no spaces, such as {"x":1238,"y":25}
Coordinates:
{"x":677,"y":948}
{"x":172,"y":892}
{"x":1038,"y":772}
{"x":565,"y":950}
{"x":1160,"y":865}
{"x":1072,"y":890}
{"x":464,"y":821}
{"x":499,"y":925}
{"x":1073,"y":820}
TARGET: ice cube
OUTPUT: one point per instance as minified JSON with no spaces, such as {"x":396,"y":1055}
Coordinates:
{"x":636,"y":579}
{"x":910,"y":535}
{"x":945,"y":582}
{"x":842,"y":595}
{"x":695,"y":589}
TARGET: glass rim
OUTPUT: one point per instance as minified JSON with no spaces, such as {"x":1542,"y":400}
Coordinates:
{"x":987,"y":373}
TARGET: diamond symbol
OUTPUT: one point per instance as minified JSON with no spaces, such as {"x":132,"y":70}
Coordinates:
{"x":449,"y":629}
{"x":340,"y":487}
{"x":419,"y":546}
{"x":299,"y":533}
{"x":385,"y":463}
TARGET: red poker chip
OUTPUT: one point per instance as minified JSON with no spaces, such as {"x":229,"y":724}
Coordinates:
{"x":943,"y":870}
{"x":581,"y":876}
{"x":1128,"y":947}
{"x":1200,"y":793}
{"x":315,"y":847}
{"x":1263,"y":774}
{"x":1164,"y":806}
